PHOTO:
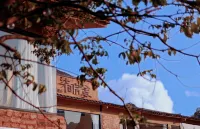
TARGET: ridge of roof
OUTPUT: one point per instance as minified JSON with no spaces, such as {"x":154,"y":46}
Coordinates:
{"x":143,"y":110}
{"x":62,"y":73}
{"x":59,"y":72}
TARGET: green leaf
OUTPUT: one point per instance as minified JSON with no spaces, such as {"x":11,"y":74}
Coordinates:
{"x":94,"y":61}
{"x":83,"y":69}
{"x":153,"y":75}
{"x":101,"y":70}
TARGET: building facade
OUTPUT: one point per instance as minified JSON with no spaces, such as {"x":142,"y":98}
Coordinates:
{"x":78,"y":107}
{"x":82,"y":109}
{"x":66,"y":104}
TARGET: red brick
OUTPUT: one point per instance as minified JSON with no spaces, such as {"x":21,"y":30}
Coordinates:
{"x":41,"y":128}
{"x":29,"y":122}
{"x":63,"y":126}
{"x":41,"y":116}
{"x":62,"y":121}
{"x":3,"y":112}
{"x":26,"y":115}
{"x":22,"y":126}
{"x":9,"y":112}
{"x":17,"y":113}
{"x":14,"y":125}
{"x":52,"y":118}
{"x":5,"y":119}
{"x":33,"y":115}
{"x":50,"y":128}
{"x":15,"y":120}
{"x":6,"y":124}
{"x":30,"y":127}
{"x":50,"y":124}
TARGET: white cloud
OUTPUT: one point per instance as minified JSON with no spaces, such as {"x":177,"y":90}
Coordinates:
{"x":192,"y":94}
{"x":140,"y":92}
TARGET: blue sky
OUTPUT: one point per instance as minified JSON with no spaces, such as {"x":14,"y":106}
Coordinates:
{"x":186,"y":98}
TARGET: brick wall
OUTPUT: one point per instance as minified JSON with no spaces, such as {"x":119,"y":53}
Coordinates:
{"x":30,"y":120}
{"x":110,"y":121}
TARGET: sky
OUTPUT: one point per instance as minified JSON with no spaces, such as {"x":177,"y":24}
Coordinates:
{"x":169,"y":94}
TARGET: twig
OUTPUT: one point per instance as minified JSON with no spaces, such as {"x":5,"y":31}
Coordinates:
{"x":7,"y":85}
{"x":100,"y":77}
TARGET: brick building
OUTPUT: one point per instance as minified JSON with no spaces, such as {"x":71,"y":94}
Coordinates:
{"x":78,"y":107}
{"x":75,"y":106}
{"x":83,"y":110}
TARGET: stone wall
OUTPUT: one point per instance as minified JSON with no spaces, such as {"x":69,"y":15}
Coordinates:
{"x":30,"y":120}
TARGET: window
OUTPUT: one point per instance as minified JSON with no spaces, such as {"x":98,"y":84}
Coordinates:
{"x":80,"y":120}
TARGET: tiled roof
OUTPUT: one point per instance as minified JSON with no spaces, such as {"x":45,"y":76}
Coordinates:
{"x":89,"y":101}
{"x":136,"y":109}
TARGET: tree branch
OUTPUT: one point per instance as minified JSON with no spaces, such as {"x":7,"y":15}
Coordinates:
{"x":110,"y":89}
{"x":9,"y":37}
{"x":7,"y":85}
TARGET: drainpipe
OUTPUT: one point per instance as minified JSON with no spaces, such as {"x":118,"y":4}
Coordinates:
{"x":125,"y":123}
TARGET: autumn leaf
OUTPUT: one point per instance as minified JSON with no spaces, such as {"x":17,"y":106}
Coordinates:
{"x":165,"y":37}
{"x":194,"y":28}
{"x":187,"y":32}
{"x":198,"y":21}
{"x":42,"y":89}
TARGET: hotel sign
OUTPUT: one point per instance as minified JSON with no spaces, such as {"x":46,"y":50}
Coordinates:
{"x":69,"y":86}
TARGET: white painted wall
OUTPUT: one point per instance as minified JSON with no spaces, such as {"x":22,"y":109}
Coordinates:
{"x":43,"y":75}
{"x":189,"y":126}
